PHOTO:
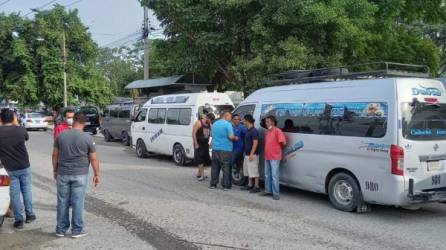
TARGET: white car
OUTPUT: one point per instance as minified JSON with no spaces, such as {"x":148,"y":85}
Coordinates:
{"x":35,"y":121}
{"x":4,"y":194}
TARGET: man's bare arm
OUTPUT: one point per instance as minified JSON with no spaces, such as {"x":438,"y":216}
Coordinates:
{"x":55,"y":159}
{"x":95,"y":165}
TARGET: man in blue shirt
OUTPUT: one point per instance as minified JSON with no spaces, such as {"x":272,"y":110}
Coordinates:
{"x":238,"y":146}
{"x":222,"y":137}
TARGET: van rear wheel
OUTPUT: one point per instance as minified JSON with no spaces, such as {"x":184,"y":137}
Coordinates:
{"x":125,"y":139}
{"x":344,"y":192}
{"x":107,"y":136}
{"x":179,"y":155}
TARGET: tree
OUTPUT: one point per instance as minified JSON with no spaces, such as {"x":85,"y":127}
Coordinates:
{"x":32,"y":62}
{"x":241,"y":43}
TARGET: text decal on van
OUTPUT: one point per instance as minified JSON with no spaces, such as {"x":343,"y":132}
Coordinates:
{"x":426,"y":91}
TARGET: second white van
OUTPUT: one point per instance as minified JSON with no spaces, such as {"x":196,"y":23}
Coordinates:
{"x":164,"y":124}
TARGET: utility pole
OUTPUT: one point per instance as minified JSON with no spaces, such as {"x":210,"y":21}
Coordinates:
{"x":65,"y":101}
{"x":146,"y":30}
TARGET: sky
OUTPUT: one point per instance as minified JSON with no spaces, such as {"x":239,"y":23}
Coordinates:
{"x":108,"y":20}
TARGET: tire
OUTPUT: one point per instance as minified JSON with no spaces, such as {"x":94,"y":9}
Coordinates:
{"x":125,"y":139}
{"x":238,"y":178}
{"x":45,"y":129}
{"x":107,"y":136}
{"x":141,"y":150}
{"x":344,"y":192}
{"x":95,"y":132}
{"x":179,"y":155}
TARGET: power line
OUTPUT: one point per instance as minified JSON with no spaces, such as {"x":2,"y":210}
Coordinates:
{"x":38,"y":8}
{"x":5,"y":2}
{"x":132,"y":35}
{"x":73,"y":3}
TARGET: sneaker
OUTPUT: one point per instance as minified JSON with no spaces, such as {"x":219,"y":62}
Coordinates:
{"x":79,"y":235}
{"x":30,"y":218}
{"x":254,"y":190}
{"x":202,"y":178}
{"x":60,"y":235}
{"x":198,"y":176}
{"x":245,"y":188}
{"x":266,"y":194}
{"x":212,"y":187}
{"x":276,"y":197}
{"x":225,"y":189}
{"x":18,"y":224}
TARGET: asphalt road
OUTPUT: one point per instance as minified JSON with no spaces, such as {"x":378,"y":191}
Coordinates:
{"x":151,"y":203}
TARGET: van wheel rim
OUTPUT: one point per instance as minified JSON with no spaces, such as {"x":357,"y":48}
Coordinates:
{"x":343,"y":192}
{"x":178,"y":155}
{"x":139,"y":149}
{"x":236,"y":174}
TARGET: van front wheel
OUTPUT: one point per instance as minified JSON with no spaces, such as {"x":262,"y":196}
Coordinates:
{"x":344,"y":192}
{"x":179,"y":156}
{"x":141,"y":150}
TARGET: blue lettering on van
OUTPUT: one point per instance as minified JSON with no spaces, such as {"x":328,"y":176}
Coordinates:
{"x":288,"y":151}
{"x":375,"y":147}
{"x":441,"y":132}
{"x":156,"y":135}
{"x":420,"y":132}
{"x":426,"y":91}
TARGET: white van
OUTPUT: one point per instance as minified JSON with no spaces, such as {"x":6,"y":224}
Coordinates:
{"x":164,"y":124}
{"x":380,"y":141}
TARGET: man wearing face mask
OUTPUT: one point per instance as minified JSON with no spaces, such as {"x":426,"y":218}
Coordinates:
{"x":66,"y":124}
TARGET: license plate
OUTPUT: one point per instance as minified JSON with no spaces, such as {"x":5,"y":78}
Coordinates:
{"x":37,"y":121}
{"x":88,"y":123}
{"x":433,"y":165}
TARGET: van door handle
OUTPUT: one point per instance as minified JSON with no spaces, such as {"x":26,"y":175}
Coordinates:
{"x":143,"y":128}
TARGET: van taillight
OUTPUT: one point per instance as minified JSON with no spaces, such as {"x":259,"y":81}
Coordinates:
{"x":397,"y":157}
{"x":4,"y":180}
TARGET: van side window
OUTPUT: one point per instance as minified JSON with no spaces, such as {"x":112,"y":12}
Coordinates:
{"x":157,"y":115}
{"x":357,"y":119}
{"x":124,"y":114}
{"x":141,"y":116}
{"x":179,"y":116}
{"x":245,"y":110}
{"x":114,"y":113}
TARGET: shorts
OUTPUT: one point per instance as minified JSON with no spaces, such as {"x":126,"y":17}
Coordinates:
{"x":202,"y":156}
{"x":251,"y":168}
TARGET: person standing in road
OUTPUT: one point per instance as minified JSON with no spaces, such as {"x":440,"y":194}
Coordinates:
{"x":274,"y":142}
{"x":251,"y":160}
{"x":222,"y":137}
{"x":14,"y":157}
{"x":201,"y":134}
{"x":73,"y":152}
{"x":238,"y":146}
{"x":67,"y":123}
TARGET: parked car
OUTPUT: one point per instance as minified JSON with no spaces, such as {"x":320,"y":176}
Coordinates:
{"x":93,"y":118}
{"x":116,"y":122}
{"x":380,"y":141}
{"x":91,"y":112}
{"x":34,"y":121}
{"x":164,"y":124}
{"x":4,"y":194}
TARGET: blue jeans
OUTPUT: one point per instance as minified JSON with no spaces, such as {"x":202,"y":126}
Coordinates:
{"x":21,"y":183}
{"x":70,"y":191}
{"x":272,"y":176}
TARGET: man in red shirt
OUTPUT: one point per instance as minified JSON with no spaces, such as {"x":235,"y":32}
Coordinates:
{"x":66,"y":124}
{"x":274,"y":142}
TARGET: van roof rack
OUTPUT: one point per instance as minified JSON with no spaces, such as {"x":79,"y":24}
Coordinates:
{"x":358,"y":71}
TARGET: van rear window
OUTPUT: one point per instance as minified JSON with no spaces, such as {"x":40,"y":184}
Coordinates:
{"x":424,"y":122}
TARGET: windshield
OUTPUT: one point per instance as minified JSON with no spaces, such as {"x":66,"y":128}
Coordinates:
{"x":424,"y":122}
{"x":35,"y":115}
{"x":216,"y":109}
{"x":89,"y":110}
